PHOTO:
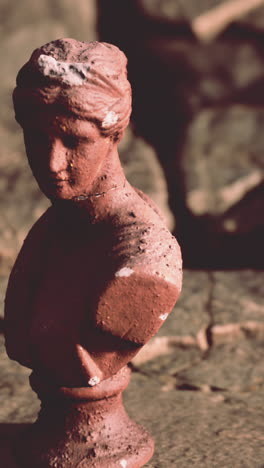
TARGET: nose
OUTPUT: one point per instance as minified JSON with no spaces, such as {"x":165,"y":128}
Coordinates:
{"x":57,"y":156}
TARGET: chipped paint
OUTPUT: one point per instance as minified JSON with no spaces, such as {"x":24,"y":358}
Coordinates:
{"x":163,"y":316}
{"x":73,"y":74}
{"x":94,"y":381}
{"x":110,"y":119}
{"x":123,"y":463}
{"x":126,"y":271}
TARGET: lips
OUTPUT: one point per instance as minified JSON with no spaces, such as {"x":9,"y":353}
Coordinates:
{"x":57,"y":179}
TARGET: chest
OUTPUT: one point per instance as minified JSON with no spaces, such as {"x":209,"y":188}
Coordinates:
{"x":69,"y":275}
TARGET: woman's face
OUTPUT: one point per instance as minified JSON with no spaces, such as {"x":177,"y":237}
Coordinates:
{"x":65,"y":154}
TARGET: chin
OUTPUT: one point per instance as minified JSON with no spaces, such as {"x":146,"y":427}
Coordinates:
{"x":56,"y":192}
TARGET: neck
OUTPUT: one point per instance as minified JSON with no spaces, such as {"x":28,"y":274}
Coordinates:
{"x":110,"y":177}
{"x":103,"y":198}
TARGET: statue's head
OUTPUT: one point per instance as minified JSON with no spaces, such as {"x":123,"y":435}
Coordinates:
{"x":73,"y":101}
{"x":85,"y":79}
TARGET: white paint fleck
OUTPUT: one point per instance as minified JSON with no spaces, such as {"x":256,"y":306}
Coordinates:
{"x":163,"y":316}
{"x":123,"y":463}
{"x":110,"y":119}
{"x":170,"y":280}
{"x":126,"y":271}
{"x":94,"y":381}
{"x":71,"y":73}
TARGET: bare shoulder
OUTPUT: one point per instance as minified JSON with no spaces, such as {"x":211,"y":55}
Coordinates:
{"x":135,"y":304}
{"x":143,"y":242}
{"x":21,"y":287}
{"x":151,"y":203}
{"x":31,"y":251}
{"x":41,"y":227}
{"x":147,"y":280}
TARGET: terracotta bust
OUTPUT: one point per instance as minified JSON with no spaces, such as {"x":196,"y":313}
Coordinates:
{"x":99,"y":272}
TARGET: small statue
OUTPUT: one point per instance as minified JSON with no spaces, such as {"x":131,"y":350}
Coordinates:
{"x":98,"y":273}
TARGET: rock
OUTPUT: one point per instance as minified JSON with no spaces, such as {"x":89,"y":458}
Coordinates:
{"x":222,"y":163}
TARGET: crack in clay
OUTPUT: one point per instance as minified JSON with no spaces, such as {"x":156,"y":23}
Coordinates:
{"x":208,"y":335}
{"x":205,"y":388}
{"x":154,"y":374}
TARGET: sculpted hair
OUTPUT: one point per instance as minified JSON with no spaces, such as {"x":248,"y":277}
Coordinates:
{"x":87,"y":79}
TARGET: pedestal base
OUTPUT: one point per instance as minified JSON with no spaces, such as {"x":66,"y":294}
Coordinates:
{"x":84,"y":428}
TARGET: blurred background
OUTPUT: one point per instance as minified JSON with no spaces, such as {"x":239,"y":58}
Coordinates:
{"x":196,"y":140}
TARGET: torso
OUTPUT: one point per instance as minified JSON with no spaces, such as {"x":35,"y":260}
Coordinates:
{"x":73,"y":265}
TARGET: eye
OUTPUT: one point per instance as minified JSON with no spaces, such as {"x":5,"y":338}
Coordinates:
{"x":70,"y":141}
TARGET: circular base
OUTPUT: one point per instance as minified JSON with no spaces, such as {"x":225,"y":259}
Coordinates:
{"x":130,"y":449}
{"x":85,"y":428}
